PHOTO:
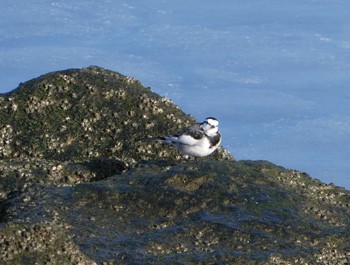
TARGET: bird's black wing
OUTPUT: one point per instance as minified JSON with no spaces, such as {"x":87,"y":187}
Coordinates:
{"x":194,"y":131}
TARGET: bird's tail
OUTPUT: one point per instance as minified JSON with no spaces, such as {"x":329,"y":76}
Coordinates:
{"x":170,"y":139}
{"x":153,"y":139}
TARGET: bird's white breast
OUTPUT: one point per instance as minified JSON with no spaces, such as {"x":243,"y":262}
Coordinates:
{"x":198,"y":148}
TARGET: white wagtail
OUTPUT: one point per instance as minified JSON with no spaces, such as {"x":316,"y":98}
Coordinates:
{"x":200,"y":139}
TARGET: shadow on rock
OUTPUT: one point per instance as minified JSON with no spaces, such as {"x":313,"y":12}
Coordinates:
{"x":105,"y":168}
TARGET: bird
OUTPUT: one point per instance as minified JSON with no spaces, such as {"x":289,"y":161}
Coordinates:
{"x":198,"y":140}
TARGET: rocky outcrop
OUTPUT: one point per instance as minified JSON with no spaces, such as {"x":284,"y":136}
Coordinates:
{"x":206,"y":212}
{"x":85,"y":114}
{"x":82,"y":119}
{"x":77,"y":187}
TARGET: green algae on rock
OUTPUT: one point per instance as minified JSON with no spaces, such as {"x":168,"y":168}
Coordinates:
{"x":82,"y":125}
{"x":205,"y":212}
{"x":88,"y":113}
{"x":19,"y":174}
{"x":77,"y":187}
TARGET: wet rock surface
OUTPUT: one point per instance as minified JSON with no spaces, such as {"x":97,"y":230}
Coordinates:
{"x":77,"y":187}
{"x":209,"y":212}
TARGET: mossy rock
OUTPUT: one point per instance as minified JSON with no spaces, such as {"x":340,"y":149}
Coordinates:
{"x":83,"y":114}
{"x":209,"y":212}
{"x":78,"y":187}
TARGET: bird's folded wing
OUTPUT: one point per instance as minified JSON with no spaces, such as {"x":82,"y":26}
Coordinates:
{"x":190,"y":137}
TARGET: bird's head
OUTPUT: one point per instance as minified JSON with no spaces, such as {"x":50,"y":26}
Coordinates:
{"x":210,"y":126}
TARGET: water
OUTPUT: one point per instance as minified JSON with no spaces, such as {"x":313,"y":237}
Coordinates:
{"x":275,"y":73}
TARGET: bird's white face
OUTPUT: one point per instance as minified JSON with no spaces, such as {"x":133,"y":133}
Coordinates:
{"x":212,"y":122}
{"x":210,"y":126}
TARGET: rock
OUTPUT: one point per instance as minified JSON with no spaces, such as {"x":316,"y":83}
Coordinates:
{"x":63,"y":126}
{"x":86,"y":114}
{"x":208,"y":212}
{"x":19,"y":174}
{"x":78,"y":187}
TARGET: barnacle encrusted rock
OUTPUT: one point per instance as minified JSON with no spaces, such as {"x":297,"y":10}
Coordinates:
{"x":78,"y":187}
{"x":43,"y":243}
{"x":209,"y":212}
{"x":82,"y":115}
{"x":89,"y":113}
